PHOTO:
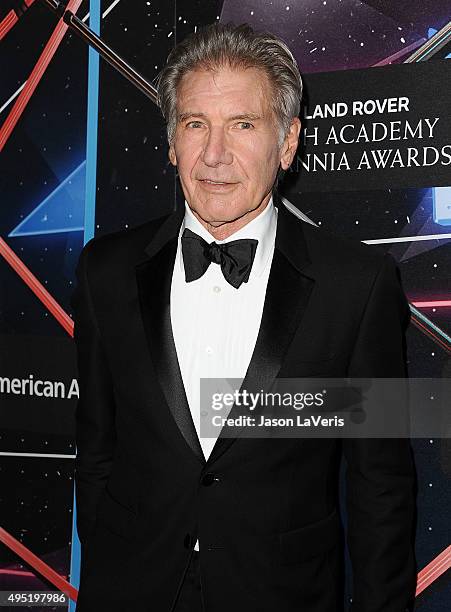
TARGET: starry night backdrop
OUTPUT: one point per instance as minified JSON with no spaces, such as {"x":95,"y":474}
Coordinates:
{"x":42,"y":188}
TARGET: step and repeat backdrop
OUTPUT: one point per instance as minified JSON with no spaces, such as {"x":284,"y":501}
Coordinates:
{"x":84,"y":153}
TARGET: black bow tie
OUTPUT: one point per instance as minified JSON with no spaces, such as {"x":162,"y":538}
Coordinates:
{"x":234,"y":257}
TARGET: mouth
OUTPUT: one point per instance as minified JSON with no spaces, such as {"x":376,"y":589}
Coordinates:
{"x":217,"y":186}
{"x":211,"y":182}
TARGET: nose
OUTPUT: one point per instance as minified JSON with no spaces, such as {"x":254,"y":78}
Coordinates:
{"x":216,"y":149}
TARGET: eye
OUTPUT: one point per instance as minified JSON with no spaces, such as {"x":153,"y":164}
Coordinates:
{"x":246,"y":123}
{"x":190,"y":123}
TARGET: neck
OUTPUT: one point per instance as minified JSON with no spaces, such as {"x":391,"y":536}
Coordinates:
{"x":221,"y":230}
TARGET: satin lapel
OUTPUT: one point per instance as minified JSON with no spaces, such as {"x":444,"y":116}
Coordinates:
{"x":287,"y":295}
{"x":153,"y":278}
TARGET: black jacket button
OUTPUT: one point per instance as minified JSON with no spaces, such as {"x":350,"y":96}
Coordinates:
{"x":209,"y":479}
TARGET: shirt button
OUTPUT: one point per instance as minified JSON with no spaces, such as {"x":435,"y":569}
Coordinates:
{"x":209,"y":350}
{"x":216,"y":288}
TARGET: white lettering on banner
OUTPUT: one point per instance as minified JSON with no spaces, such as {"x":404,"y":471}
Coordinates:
{"x":360,"y":107}
{"x":378,"y":132}
{"x":378,"y":159}
{"x":38,"y":388}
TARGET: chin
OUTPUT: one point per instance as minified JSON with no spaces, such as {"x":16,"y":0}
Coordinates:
{"x":219,"y":211}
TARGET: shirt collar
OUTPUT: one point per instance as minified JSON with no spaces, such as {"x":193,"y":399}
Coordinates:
{"x":262,"y":228}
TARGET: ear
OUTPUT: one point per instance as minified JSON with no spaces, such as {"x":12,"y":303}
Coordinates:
{"x":290,"y":144}
{"x":172,"y":156}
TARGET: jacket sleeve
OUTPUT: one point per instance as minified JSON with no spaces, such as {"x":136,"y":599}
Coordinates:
{"x":380,"y":473}
{"x":95,"y":411}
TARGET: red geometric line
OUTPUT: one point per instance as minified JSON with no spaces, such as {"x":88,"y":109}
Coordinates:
{"x":430,"y":333}
{"x":35,"y":76}
{"x":39,"y":290}
{"x":433,"y":304}
{"x":7,"y":23}
{"x":12,"y":18}
{"x":45,"y":570}
{"x":433,"y":570}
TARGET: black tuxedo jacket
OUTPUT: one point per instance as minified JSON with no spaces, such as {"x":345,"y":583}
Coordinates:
{"x":265,"y":510}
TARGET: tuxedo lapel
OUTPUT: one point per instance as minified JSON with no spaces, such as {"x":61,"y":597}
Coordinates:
{"x":289,"y":286}
{"x":153,"y":277}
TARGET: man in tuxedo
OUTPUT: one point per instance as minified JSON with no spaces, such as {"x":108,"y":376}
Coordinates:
{"x":233,"y":284}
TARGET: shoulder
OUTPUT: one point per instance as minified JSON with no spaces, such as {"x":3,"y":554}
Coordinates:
{"x":338,"y":254}
{"x":121,"y":247}
{"x":347,"y":268}
{"x":352,"y":271}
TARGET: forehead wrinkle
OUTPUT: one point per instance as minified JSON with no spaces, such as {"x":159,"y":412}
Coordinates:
{"x":245,"y":115}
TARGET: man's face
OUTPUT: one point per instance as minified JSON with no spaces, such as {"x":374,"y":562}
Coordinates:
{"x":226,"y":133}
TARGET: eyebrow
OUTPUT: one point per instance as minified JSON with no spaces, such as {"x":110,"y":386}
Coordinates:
{"x":243,"y":116}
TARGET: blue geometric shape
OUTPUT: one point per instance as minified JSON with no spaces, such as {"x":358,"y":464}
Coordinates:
{"x":61,"y":211}
{"x":441,"y":201}
{"x":89,"y":222}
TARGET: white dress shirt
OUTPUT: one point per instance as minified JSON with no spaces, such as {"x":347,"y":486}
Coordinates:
{"x":215,"y":325}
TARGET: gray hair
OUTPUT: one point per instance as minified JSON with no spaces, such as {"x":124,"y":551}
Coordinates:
{"x":240,"y":47}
